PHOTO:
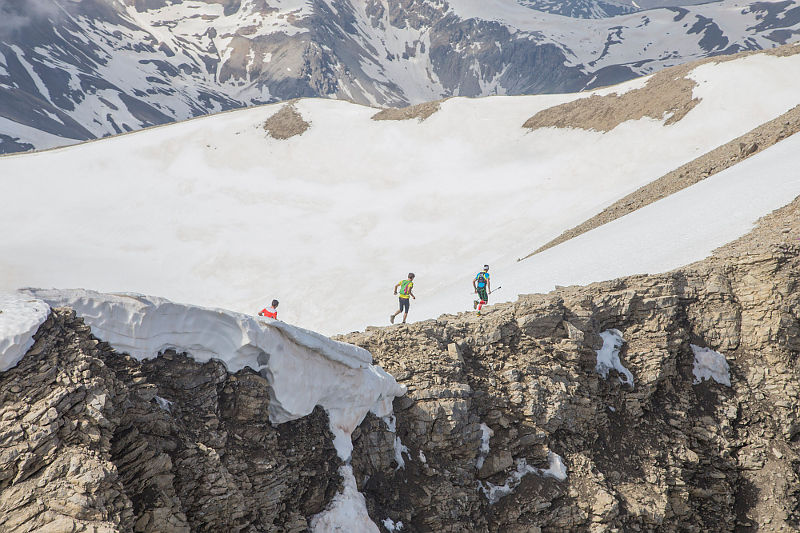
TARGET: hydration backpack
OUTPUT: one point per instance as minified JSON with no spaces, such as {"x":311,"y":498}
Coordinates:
{"x":405,"y":287}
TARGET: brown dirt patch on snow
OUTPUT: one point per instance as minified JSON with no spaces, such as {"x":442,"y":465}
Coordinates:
{"x":286,"y":123}
{"x":668,"y":92}
{"x":419,"y":112}
{"x":697,"y":170}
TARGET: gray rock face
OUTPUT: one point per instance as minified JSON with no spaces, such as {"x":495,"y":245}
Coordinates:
{"x":94,"y":441}
{"x":72,"y":71}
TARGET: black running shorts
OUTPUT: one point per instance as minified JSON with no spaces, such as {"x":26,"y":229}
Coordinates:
{"x":404,"y":303}
{"x":482,"y":294}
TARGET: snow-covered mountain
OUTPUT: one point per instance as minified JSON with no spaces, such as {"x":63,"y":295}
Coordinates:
{"x":219,"y":212}
{"x":73,"y":71}
{"x":586,"y":9}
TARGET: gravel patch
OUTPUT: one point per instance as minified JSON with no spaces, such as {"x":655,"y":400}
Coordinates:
{"x":419,"y":112}
{"x":286,"y":123}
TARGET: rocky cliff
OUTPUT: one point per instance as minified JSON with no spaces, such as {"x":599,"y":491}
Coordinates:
{"x":498,"y":409}
{"x":665,"y":454}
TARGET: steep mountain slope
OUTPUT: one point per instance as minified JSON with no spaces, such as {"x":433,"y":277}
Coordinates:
{"x":327,"y":226}
{"x":79,"y":70}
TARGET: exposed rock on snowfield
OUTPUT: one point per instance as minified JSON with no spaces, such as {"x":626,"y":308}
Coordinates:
{"x":507,"y":425}
{"x":419,"y":112}
{"x":286,"y":123}
{"x":668,"y":92}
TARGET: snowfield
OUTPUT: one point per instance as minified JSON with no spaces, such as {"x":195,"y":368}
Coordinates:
{"x":215,"y":212}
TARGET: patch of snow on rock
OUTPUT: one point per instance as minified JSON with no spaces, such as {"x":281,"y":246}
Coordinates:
{"x":20,"y":318}
{"x":556,"y":469}
{"x":164,"y":403}
{"x":392,"y":526}
{"x":304,"y":369}
{"x":608,"y":356}
{"x":399,"y":447}
{"x":709,"y":364}
{"x":347,"y":512}
{"x":486,"y":434}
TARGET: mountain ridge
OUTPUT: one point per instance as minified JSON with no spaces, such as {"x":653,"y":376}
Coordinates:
{"x":78,"y":71}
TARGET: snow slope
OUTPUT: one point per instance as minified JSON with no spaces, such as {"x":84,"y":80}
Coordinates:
{"x":215,"y":212}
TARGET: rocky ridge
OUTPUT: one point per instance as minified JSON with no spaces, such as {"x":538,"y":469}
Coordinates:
{"x":93,"y":440}
{"x":667,"y":454}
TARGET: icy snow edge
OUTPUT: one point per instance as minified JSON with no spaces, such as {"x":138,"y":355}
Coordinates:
{"x":304,"y":369}
{"x":20,"y":318}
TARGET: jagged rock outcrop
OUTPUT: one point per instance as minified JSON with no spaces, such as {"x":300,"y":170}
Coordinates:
{"x":667,"y":454}
{"x":93,"y":440}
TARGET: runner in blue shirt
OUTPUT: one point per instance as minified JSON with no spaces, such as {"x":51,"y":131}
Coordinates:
{"x":482,"y":287}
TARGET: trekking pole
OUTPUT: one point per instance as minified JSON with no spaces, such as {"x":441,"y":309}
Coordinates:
{"x":497,"y":289}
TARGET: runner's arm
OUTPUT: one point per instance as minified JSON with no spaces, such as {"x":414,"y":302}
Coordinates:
{"x":395,"y":288}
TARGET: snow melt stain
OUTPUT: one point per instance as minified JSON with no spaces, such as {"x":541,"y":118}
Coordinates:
{"x":608,"y":357}
{"x":556,"y":470}
{"x":709,"y":364}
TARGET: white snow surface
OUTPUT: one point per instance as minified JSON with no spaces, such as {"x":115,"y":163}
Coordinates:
{"x":709,"y":364}
{"x":347,"y":513}
{"x":20,"y":318}
{"x":214,"y":212}
{"x":304,"y":369}
{"x":608,"y":357}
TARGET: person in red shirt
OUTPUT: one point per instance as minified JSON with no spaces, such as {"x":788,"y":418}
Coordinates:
{"x":270,"y":312}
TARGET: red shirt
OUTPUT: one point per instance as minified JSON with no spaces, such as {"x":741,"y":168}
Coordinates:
{"x":269,"y":312}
